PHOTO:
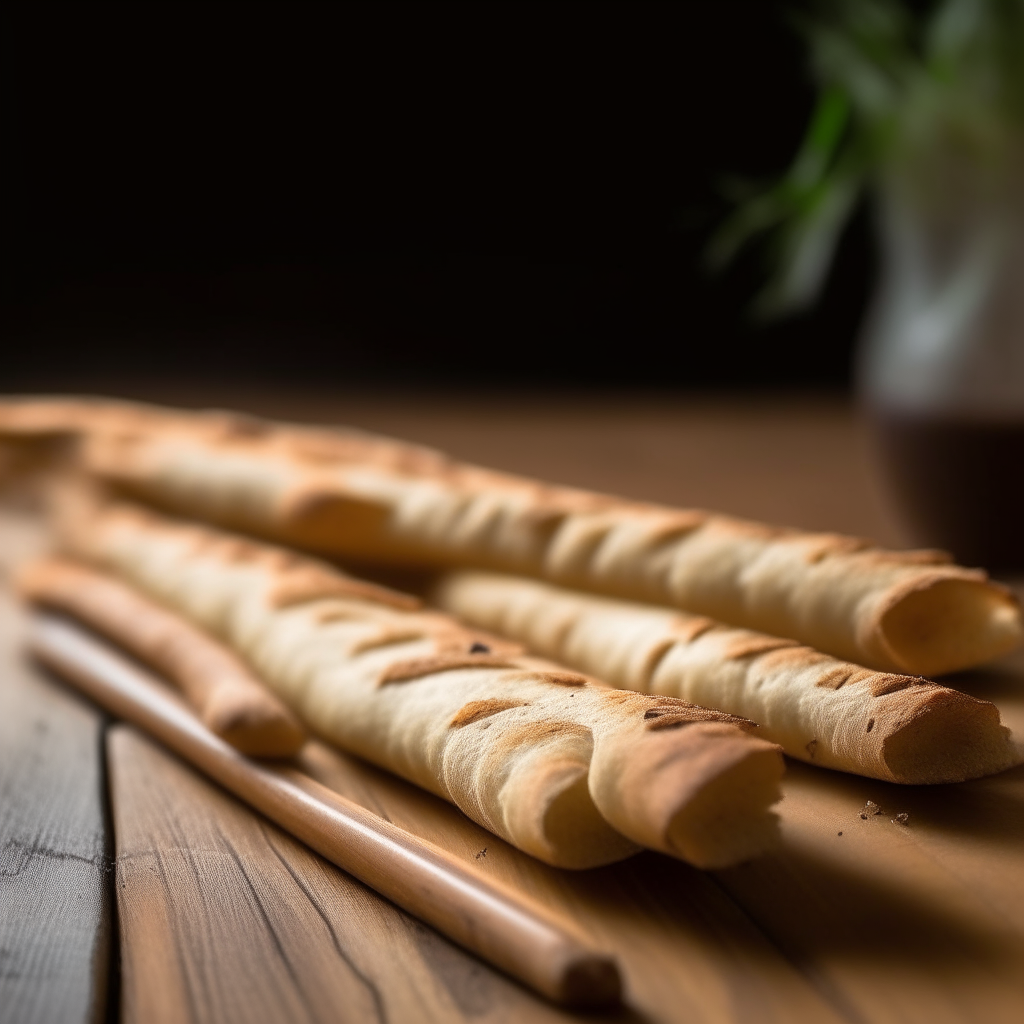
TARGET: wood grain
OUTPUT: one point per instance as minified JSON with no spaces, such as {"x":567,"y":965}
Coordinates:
{"x":502,"y":926}
{"x":916,"y":923}
{"x":922,"y":921}
{"x":226,"y":918}
{"x":125,"y":690}
{"x":219,"y":909}
{"x":688,"y":952}
{"x":54,"y":856}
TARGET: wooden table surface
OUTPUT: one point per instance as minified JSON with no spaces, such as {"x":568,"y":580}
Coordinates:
{"x":132,"y":888}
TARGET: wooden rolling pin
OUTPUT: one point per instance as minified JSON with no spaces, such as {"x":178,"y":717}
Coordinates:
{"x":502,"y":927}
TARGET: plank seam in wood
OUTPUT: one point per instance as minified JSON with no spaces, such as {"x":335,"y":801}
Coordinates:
{"x":371,"y":988}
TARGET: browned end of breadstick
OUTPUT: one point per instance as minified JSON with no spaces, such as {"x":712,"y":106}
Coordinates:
{"x":700,"y":789}
{"x":231,"y":701}
{"x":726,"y":818}
{"x":936,"y":735}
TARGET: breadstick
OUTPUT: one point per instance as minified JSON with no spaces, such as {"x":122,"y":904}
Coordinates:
{"x":570,"y":771}
{"x":499,"y":925}
{"x":354,"y":495}
{"x":819,"y":710}
{"x":231,"y":702}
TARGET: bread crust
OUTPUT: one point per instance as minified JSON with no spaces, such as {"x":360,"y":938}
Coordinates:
{"x":821,"y":710}
{"x":230,"y":700}
{"x":346,"y":493}
{"x":531,"y":751}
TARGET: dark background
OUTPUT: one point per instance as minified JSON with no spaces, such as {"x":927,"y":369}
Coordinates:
{"x":478,"y":195}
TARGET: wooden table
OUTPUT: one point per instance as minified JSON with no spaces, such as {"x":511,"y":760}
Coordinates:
{"x":131,"y":886}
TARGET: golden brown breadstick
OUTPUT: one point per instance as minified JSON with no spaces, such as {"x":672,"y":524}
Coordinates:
{"x":351,"y":494}
{"x":571,"y":771}
{"x":231,"y":701}
{"x":820,"y":710}
{"x":500,"y":925}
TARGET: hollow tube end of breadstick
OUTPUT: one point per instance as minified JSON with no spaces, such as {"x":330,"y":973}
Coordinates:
{"x":950,"y":625}
{"x":730,"y":819}
{"x":576,"y":833}
{"x":700,"y":791}
{"x":554,"y":818}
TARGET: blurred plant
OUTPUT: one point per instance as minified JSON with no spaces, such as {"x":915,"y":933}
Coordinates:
{"x":929,"y":106}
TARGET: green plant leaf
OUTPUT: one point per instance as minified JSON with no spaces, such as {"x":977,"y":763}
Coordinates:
{"x":899,"y":94}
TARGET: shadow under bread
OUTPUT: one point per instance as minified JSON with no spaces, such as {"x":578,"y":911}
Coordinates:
{"x":812,"y":906}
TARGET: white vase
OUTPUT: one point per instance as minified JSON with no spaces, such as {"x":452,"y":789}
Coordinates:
{"x":941,"y":367}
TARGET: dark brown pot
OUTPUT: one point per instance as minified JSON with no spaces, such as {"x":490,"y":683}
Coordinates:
{"x":957,"y":483}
